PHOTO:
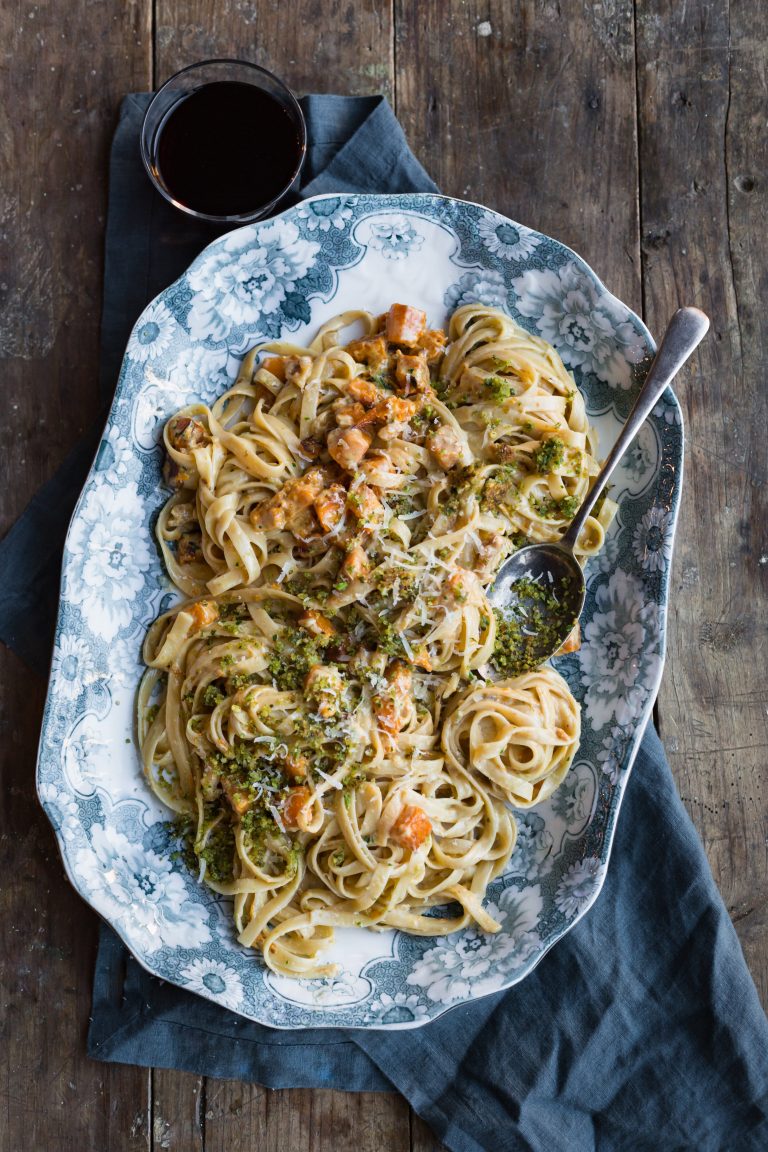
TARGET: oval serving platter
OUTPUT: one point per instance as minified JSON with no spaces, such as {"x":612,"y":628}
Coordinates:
{"x":283,"y":278}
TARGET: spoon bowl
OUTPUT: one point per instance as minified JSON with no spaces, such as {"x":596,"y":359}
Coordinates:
{"x":540,"y":590}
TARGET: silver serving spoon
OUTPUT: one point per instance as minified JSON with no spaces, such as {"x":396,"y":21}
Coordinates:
{"x":544,"y":583}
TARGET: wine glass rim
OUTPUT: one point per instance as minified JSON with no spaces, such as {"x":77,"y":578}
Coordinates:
{"x":238,"y":217}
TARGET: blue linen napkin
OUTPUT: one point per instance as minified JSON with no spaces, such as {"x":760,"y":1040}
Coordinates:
{"x":640,"y":1030}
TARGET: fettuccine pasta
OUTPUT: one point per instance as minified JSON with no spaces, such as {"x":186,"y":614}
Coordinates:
{"x":326,"y":713}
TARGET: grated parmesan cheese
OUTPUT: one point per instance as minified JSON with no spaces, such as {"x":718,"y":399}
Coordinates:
{"x":406,"y":646}
{"x":277,"y":818}
{"x":333,"y":783}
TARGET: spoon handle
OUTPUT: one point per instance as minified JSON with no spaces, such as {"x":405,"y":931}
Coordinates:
{"x":685,"y":330}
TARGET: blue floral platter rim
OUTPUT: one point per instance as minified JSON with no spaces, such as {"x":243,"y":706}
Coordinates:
{"x":283,"y":277}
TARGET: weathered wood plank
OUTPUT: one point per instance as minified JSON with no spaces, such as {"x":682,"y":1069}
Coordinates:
{"x":499,"y":101}
{"x":240,"y":1117}
{"x":530,"y":108}
{"x":178,"y":1123}
{"x":61,"y":92}
{"x":60,"y":102}
{"x":314,"y":45}
{"x":236,"y":1117}
{"x":702,"y":83}
{"x":53,"y":1097}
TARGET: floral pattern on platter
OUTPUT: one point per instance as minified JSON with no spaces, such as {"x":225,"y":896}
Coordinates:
{"x":506,"y":239}
{"x":636,"y":459}
{"x":212,"y":978}
{"x":398,"y":1009}
{"x":479,"y":962}
{"x":573,"y":800}
{"x":329,"y":212}
{"x":116,"y":458}
{"x":124,"y":660}
{"x":200,"y":373}
{"x":129,"y":882}
{"x":108,"y":550}
{"x":153,"y":334}
{"x":590,"y":331}
{"x":652,"y":541}
{"x":533,"y":848}
{"x":620,"y":659}
{"x":86,"y":751}
{"x":607,"y":558}
{"x":344,"y":988}
{"x":396,"y":238}
{"x":612,"y":755}
{"x":238,"y":282}
{"x":281,"y":279}
{"x":670,"y":413}
{"x":486,"y":287}
{"x":152,"y":407}
{"x":67,"y":812}
{"x":73,"y":665}
{"x":578,"y":886}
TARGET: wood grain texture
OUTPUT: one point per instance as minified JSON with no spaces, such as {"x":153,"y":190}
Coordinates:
{"x":529,"y":107}
{"x":702,"y":81}
{"x":241,"y":1117}
{"x":314,"y":45}
{"x":533,"y":107}
{"x":178,"y":1104}
{"x":62,"y":84}
{"x":53,"y":1097}
{"x":60,"y":103}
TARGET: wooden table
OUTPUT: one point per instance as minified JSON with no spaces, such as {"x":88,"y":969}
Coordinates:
{"x":636,"y":133}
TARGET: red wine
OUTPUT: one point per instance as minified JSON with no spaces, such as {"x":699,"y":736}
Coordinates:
{"x":227,"y":149}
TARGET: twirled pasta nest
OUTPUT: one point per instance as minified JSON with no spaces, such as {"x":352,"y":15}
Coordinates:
{"x":520,"y":734}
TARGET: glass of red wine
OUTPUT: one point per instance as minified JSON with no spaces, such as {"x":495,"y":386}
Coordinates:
{"x":224,"y":140}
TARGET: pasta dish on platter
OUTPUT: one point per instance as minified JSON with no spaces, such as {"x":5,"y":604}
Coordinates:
{"x":338,"y":718}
